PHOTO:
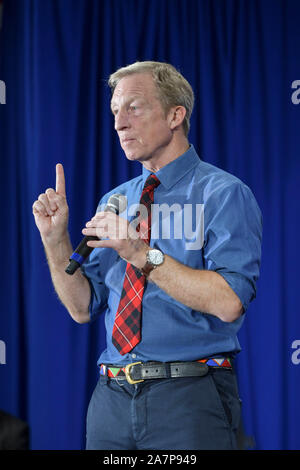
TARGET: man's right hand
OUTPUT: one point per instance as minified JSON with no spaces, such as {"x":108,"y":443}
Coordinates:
{"x":51,"y":215}
{"x":51,"y":211}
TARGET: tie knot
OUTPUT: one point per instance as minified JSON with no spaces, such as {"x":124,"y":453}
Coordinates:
{"x":152,"y":181}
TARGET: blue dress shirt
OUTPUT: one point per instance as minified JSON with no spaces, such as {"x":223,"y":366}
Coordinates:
{"x":226,"y":240}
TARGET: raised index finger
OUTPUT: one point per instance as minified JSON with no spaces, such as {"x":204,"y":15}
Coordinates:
{"x":60,"y":180}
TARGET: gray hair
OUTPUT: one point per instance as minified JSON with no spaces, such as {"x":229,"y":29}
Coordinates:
{"x":173,"y":88}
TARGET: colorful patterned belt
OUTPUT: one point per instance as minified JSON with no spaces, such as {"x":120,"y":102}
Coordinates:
{"x":138,"y":371}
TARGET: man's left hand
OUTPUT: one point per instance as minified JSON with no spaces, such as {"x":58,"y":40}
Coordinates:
{"x":116,"y":232}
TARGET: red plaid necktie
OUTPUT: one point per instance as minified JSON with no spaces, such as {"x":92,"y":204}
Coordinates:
{"x":127,"y":327}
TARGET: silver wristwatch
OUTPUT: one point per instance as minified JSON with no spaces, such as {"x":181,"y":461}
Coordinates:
{"x":154,"y":258}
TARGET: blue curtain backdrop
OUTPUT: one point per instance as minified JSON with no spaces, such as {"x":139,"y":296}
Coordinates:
{"x":241,"y":58}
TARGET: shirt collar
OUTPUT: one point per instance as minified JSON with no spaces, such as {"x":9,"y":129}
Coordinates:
{"x":170,"y":174}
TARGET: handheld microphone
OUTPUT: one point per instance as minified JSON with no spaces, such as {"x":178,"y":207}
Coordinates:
{"x":116,"y":203}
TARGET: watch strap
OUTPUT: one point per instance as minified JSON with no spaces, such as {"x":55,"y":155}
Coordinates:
{"x":147,"y":268}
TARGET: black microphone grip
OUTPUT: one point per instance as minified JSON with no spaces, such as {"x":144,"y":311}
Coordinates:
{"x":82,"y":251}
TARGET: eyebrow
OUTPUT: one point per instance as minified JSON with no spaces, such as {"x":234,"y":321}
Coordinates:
{"x":129,"y":100}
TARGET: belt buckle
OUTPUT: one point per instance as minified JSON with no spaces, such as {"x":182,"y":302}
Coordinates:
{"x":127,"y":373}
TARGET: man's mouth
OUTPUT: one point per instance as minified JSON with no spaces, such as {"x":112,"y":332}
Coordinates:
{"x":127,"y":141}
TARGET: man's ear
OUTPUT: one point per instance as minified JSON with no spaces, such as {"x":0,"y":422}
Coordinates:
{"x":176,"y":116}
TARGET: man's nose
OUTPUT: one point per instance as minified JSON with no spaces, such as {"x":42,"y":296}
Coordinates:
{"x":121,"y":120}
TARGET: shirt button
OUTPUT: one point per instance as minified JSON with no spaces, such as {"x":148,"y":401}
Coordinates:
{"x":133,"y":356}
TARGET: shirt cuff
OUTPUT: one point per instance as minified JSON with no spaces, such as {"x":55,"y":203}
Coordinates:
{"x":243,"y":288}
{"x":98,"y":294}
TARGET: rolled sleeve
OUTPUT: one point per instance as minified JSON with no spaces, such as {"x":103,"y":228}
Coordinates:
{"x":99,"y":295}
{"x":233,"y":237}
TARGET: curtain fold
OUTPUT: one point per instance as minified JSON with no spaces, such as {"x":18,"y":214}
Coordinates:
{"x":241,"y":58}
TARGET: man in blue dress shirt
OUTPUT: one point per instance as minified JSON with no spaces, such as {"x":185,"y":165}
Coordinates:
{"x":176,"y":388}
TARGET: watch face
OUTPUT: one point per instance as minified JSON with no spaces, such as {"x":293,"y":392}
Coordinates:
{"x":155,"y":257}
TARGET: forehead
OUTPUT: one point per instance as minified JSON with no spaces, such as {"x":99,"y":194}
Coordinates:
{"x":138,"y":84}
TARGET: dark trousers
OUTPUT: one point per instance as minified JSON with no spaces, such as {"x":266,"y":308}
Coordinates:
{"x":165,"y":414}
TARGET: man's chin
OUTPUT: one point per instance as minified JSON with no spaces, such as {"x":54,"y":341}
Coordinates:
{"x":133,"y":156}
